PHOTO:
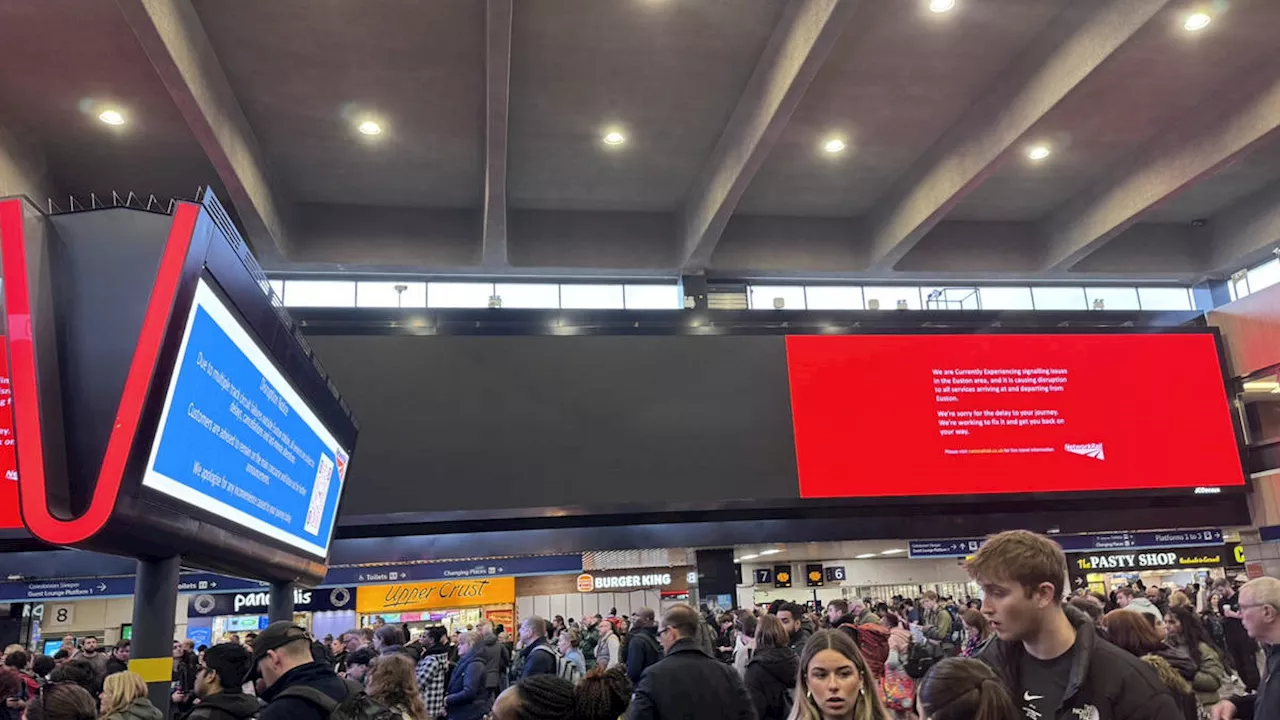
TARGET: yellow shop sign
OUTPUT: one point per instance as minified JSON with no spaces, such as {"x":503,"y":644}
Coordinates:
{"x":407,"y":597}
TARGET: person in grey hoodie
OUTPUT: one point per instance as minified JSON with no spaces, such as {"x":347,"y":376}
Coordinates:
{"x":1129,"y":599}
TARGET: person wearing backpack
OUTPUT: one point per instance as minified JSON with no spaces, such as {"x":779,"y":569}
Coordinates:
{"x":298,"y":687}
{"x":537,"y":657}
{"x":771,"y":671}
{"x":644,"y":649}
{"x":568,"y":643}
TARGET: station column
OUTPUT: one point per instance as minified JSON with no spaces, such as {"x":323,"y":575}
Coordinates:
{"x":155,"y":603}
{"x":280,"y":606}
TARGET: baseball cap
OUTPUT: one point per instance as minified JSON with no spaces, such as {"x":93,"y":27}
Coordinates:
{"x":277,"y":635}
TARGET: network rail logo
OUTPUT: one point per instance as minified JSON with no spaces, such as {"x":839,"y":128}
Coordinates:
{"x":1091,"y":450}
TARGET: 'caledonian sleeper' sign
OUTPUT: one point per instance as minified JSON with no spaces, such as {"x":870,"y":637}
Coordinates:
{"x":407,"y":597}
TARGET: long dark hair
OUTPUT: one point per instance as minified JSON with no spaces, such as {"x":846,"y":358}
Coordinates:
{"x":965,"y":689}
{"x":1193,"y":633}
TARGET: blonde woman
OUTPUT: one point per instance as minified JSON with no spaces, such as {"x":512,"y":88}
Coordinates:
{"x":835,"y":682}
{"x":124,"y":697}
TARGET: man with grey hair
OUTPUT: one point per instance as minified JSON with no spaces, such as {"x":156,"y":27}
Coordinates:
{"x":1259,"y":611}
{"x":643,"y":648}
{"x":537,"y":657}
{"x":492,"y":654}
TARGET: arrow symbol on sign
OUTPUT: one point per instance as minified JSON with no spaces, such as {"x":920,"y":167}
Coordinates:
{"x":102,"y":587}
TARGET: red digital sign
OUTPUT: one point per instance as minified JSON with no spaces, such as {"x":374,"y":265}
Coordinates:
{"x":9,"y":515}
{"x":879,"y":415}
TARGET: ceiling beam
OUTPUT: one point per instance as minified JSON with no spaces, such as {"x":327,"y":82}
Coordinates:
{"x":1246,"y":232}
{"x":497,"y":61}
{"x":796,"y":50}
{"x":173,"y":38}
{"x":1219,"y":131}
{"x":1073,"y":45}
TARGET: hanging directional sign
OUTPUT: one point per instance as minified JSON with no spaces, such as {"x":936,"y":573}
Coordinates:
{"x":764,"y":576}
{"x":835,"y":573}
{"x":1148,"y":540}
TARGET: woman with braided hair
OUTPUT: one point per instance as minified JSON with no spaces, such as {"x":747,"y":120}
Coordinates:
{"x":603,"y":695}
{"x":537,"y":697}
{"x":964,"y":689}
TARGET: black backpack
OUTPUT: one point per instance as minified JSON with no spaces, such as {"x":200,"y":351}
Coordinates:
{"x":921,"y":657}
{"x":356,"y":706}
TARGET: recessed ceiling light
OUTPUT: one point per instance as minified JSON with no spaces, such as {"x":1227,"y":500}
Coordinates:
{"x":614,"y":138}
{"x":111,"y":117}
{"x":941,"y":6}
{"x":864,"y":556}
{"x":894,"y":551}
{"x":834,"y":145}
{"x":369,"y":127}
{"x":1038,"y":152}
{"x":771,"y":551}
{"x":1196,"y":21}
{"x":750,"y":557}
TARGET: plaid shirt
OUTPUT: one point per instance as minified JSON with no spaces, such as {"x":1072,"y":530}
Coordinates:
{"x":431,"y":672}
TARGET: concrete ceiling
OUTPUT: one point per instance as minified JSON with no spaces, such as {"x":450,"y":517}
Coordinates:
{"x":1164,"y":159}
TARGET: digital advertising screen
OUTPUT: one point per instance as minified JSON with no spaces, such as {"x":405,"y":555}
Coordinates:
{"x":236,"y":440}
{"x":918,"y":415}
{"x":10,"y":517}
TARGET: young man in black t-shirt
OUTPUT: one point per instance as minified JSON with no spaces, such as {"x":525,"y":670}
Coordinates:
{"x":1054,"y":665}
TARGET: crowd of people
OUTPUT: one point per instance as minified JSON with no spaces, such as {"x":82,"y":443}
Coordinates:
{"x":1026,"y":651}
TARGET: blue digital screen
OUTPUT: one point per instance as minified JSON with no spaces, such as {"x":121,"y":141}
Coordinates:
{"x":236,"y":439}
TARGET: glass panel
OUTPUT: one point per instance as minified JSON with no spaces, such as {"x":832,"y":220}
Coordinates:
{"x":458,"y":295}
{"x":591,"y":297}
{"x":829,"y":297}
{"x":529,"y":295}
{"x":1005,"y":298}
{"x":1165,"y":298}
{"x":1239,"y":285}
{"x":950,"y":297}
{"x":278,"y":287}
{"x":653,"y":297}
{"x":1059,"y":298}
{"x":320,"y":293}
{"x":888,"y":297}
{"x":391,"y":294}
{"x":1112,"y":298}
{"x":762,"y":297}
{"x":1264,"y":275}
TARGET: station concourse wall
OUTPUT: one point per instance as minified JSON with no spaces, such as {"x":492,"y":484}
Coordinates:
{"x":1250,"y":330}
